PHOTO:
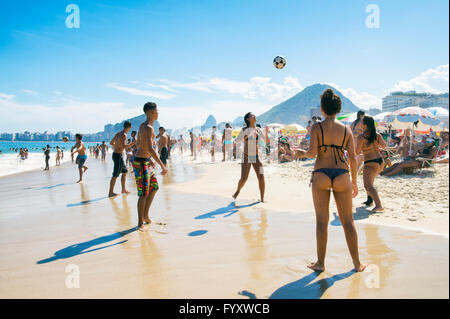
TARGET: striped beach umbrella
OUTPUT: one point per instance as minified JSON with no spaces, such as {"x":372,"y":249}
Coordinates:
{"x":413,"y":117}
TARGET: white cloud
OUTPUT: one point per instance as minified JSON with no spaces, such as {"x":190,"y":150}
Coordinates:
{"x":223,"y":110}
{"x":6,"y":96}
{"x":363,"y":100}
{"x":430,"y":81}
{"x":134,"y":91}
{"x":256,"y":88}
{"x":76,"y":116}
{"x":29,"y":91}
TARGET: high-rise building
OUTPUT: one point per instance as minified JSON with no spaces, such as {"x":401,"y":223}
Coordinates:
{"x":399,"y":100}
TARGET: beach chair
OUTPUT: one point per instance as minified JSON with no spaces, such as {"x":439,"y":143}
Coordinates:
{"x":429,"y":162}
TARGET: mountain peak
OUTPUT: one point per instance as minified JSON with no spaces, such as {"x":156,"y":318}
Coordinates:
{"x":298,"y":108}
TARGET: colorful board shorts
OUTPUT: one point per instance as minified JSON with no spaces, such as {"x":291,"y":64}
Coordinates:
{"x":146,"y":181}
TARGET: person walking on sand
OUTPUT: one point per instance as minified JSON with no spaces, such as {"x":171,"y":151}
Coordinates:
{"x":227,"y":142}
{"x":58,"y":156}
{"x":329,"y":138}
{"x":119,"y":144}
{"x":250,"y":135}
{"x":370,"y":143}
{"x":47,"y":157}
{"x":213,"y":144}
{"x":81,"y":157}
{"x":147,"y":184}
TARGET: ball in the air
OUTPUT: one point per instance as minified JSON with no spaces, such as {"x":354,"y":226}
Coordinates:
{"x":65,"y":139}
{"x":279,"y":62}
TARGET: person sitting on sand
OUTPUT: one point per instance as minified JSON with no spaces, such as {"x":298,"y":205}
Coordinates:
{"x":250,"y":135}
{"x":119,"y":144}
{"x":370,"y":143}
{"x":329,"y":139}
{"x":418,"y":160}
{"x":81,"y":157}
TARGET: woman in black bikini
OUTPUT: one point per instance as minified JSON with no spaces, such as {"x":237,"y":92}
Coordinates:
{"x":250,"y":135}
{"x":329,"y":138}
{"x":370,"y":143}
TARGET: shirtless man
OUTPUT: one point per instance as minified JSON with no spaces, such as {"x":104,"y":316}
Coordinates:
{"x":81,"y":157}
{"x":119,"y":143}
{"x":103,"y":148}
{"x":147,"y":184}
{"x":163,"y":145}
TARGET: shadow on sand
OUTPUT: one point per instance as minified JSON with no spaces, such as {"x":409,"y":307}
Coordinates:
{"x":87,"y":202}
{"x":227,"y":210}
{"x":361,"y":213}
{"x":82,"y":248}
{"x":303,"y":289}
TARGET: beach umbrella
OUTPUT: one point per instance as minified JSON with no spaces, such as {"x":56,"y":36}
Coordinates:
{"x":275,"y":125}
{"x":440,"y":113}
{"x":235,"y":133}
{"x":380,"y":117}
{"x":293,"y":129}
{"x":413,"y":117}
{"x":349,"y":118}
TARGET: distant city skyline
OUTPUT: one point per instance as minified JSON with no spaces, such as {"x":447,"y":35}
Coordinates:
{"x":195,"y":58}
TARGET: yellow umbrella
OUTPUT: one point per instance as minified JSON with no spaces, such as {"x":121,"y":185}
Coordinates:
{"x":235,"y":133}
{"x":293,"y":129}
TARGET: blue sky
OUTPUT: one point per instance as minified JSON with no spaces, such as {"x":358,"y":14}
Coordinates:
{"x":200,"y":57}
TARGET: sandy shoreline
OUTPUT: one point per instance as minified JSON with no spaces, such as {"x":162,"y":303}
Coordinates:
{"x":206,"y":247}
{"x":417,"y":202}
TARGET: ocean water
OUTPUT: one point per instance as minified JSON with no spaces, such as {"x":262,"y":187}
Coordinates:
{"x":10,"y":163}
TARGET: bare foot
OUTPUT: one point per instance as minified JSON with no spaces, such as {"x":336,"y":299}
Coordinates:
{"x":316,"y":266}
{"x":377,"y":209}
{"x":80,"y":182}
{"x":112,"y":194}
{"x":360,"y":267}
{"x":85,"y":169}
{"x":235,"y":195}
{"x":142,"y":228}
{"x":125,"y":191}
{"x":262,"y":200}
{"x":147,"y":221}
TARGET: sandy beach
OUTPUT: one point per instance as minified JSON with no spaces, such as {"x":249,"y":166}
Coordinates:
{"x":207,"y":246}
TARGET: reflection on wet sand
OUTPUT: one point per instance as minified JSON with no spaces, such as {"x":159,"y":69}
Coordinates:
{"x":255,"y":239}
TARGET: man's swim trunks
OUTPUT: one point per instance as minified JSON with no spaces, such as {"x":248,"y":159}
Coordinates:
{"x":119,"y":165}
{"x":146,"y":181}
{"x":164,"y":155}
{"x":80,"y":160}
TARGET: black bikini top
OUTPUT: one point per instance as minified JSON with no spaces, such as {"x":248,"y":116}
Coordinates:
{"x":336,"y":148}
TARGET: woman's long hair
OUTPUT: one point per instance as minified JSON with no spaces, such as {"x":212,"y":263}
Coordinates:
{"x":247,"y":123}
{"x":370,"y":123}
{"x":358,"y":118}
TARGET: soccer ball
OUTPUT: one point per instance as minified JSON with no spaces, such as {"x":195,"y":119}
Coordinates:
{"x":279,"y":62}
{"x":65,"y":139}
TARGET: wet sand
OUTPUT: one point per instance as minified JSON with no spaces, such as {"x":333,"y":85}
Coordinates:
{"x":206,"y":247}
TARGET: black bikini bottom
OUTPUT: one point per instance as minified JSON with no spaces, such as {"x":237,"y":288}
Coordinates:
{"x":332,"y":173}
{"x":377,"y":160}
